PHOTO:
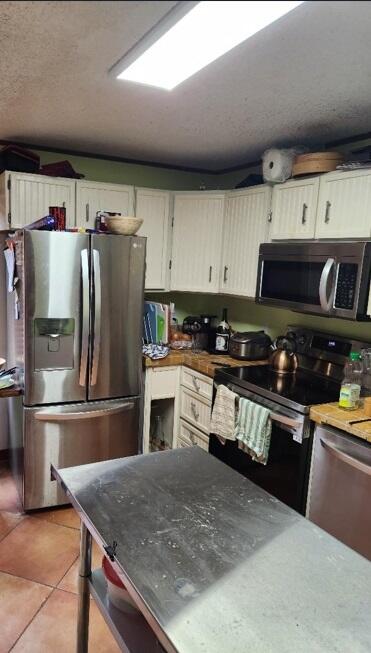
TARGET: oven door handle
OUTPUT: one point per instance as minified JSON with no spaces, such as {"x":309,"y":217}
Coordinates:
{"x":283,"y":419}
{"x":326,"y":302}
{"x":346,"y":458}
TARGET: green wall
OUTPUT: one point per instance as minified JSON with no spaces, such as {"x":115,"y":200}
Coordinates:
{"x":130,"y":173}
{"x":245,"y":315}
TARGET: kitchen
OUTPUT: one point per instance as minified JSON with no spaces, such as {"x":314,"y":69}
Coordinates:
{"x":203,"y":254}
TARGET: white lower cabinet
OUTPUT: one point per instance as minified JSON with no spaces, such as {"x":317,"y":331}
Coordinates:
{"x":189,"y":436}
{"x":184,"y":413}
{"x":161,"y":401}
{"x":246,"y":226}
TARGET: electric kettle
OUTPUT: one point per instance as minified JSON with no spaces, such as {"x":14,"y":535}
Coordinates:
{"x":283,"y":359}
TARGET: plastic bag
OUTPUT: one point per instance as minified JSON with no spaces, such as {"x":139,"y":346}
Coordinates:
{"x":277,"y":164}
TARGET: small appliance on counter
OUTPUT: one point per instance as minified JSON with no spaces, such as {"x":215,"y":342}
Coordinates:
{"x":250,"y":345}
{"x":201,"y":329}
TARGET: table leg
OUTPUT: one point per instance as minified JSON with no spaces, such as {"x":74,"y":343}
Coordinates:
{"x":84,"y":593}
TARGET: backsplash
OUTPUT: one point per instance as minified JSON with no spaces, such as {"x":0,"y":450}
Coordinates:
{"x":245,"y":315}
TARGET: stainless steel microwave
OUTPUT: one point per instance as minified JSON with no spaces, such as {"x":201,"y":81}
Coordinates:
{"x":323,"y":278}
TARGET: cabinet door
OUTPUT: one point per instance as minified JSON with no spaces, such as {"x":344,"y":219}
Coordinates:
{"x":245,"y":227}
{"x":197,"y":240}
{"x":92,"y":196}
{"x":294,"y":207}
{"x":31,"y":196}
{"x":154,"y":207}
{"x":344,"y":205}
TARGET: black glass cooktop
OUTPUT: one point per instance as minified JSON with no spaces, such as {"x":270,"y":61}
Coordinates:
{"x":302,"y":388}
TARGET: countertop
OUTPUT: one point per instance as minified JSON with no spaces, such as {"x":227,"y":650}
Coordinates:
{"x":356,"y":422}
{"x":202,"y":362}
{"x":216,"y":564}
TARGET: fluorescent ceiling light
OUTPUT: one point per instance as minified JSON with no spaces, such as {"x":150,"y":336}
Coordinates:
{"x":206,"y":32}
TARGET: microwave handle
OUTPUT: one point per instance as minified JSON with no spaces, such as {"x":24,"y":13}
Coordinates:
{"x":326,"y":302}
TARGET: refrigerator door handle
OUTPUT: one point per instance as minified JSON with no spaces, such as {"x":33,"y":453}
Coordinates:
{"x":85,"y":317}
{"x":45,"y":416}
{"x":97,"y":316}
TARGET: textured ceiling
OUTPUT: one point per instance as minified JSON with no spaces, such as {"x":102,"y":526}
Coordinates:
{"x":306,"y":79}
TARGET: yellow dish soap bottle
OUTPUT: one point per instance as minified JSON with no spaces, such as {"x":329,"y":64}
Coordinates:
{"x":350,"y":390}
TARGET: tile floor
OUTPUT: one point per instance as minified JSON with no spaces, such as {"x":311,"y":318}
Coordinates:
{"x":38,"y":579}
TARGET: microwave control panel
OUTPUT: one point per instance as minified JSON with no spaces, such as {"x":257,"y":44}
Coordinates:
{"x":346,"y":285}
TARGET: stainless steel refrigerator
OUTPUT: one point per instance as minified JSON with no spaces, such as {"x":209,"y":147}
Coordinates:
{"x":77,"y":347}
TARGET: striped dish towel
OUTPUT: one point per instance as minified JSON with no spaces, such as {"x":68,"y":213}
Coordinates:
{"x":223,"y":417}
{"x":253,"y":430}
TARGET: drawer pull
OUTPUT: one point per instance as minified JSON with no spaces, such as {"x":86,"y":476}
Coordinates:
{"x":196,"y":383}
{"x":196,"y":415}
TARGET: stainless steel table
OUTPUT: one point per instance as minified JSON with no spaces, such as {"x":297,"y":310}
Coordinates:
{"x":215,"y":564}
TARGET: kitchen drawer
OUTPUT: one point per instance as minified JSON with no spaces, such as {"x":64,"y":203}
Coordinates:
{"x":197,"y":382}
{"x":192,"y":436}
{"x":164,"y":382}
{"x":195,"y":409}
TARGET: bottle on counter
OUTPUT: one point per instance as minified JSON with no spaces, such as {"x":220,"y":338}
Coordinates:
{"x":350,"y":390}
{"x":223,"y":334}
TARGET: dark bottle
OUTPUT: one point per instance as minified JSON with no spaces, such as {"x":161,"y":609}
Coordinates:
{"x":223,"y":333}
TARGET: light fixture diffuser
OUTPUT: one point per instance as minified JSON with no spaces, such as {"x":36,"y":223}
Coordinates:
{"x":205,"y":33}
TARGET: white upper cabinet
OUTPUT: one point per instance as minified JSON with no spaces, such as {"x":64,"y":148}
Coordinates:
{"x":344,"y":206}
{"x":197,"y":241}
{"x":154,"y":207}
{"x":245,"y":228}
{"x":93,"y":196}
{"x":294,"y":208}
{"x":25,"y":198}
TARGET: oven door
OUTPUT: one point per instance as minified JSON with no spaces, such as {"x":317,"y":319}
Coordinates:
{"x":286,"y":473}
{"x":320,"y":278}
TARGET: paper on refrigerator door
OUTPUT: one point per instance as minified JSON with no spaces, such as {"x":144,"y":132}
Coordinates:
{"x":10,"y":267}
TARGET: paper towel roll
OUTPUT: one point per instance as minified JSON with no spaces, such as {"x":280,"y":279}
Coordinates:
{"x":277,"y":165}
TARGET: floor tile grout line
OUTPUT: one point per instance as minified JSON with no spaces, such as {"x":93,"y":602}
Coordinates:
{"x":30,"y":580}
{"x":67,"y":571}
{"x":50,"y":521}
{"x":11,"y":530}
{"x":31,"y":620}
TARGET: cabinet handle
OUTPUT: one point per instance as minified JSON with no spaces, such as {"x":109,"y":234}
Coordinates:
{"x":269,"y":216}
{"x":86,"y":212}
{"x":327,"y":214}
{"x":210,"y":273}
{"x":64,"y":204}
{"x":303,"y":215}
{"x":225,"y":278}
{"x":196,"y":383}
{"x":196,"y":415}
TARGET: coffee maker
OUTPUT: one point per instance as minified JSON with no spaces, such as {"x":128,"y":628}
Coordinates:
{"x":201,"y":329}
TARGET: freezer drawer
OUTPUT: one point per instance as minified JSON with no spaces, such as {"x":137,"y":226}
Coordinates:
{"x":74,"y":434}
{"x":340,"y":488}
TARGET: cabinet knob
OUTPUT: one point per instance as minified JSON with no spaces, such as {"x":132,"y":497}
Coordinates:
{"x":327,"y":213}
{"x":303,"y":215}
{"x":196,"y":415}
{"x":196,"y":383}
{"x":269,"y":216}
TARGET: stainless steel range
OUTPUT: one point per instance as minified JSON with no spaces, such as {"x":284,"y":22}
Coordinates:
{"x":321,"y":359}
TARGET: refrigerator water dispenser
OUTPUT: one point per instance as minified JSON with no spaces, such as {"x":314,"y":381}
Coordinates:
{"x":53,"y":343}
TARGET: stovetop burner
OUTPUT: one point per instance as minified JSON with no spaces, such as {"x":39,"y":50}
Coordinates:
{"x":299,"y":391}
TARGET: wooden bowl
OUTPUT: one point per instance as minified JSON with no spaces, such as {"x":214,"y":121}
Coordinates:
{"x":123,"y":224}
{"x":316,"y":162}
